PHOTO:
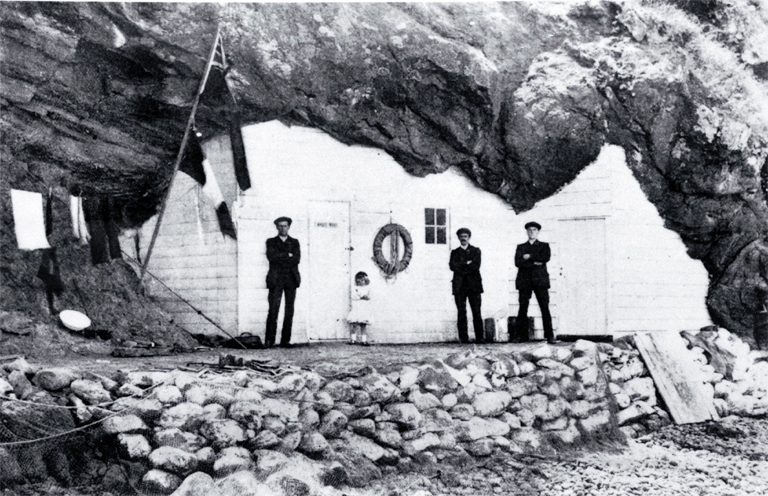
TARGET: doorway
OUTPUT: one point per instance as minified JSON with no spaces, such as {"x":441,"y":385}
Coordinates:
{"x":584,"y":280}
{"x":329,"y":280}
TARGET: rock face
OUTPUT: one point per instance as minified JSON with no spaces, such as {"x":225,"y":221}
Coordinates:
{"x":519,"y":96}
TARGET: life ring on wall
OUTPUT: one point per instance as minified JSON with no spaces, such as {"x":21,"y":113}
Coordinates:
{"x":392,"y":266}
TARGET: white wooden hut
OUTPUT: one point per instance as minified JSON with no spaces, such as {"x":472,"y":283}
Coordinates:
{"x":614,"y":268}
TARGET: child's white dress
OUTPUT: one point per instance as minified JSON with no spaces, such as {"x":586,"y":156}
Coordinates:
{"x":361,"y":310}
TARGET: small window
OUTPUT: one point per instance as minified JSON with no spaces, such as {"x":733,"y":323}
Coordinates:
{"x":435,"y":226}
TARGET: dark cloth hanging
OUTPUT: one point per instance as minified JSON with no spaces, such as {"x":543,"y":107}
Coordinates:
{"x":99,"y":214}
{"x":238,"y":151}
{"x":225,"y":221}
{"x":50,"y":273}
{"x":192,"y":162}
{"x":49,"y":213}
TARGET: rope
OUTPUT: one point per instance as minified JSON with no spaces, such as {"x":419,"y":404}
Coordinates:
{"x":77,"y":429}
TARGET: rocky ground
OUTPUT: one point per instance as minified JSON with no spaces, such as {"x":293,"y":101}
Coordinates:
{"x":729,"y":458}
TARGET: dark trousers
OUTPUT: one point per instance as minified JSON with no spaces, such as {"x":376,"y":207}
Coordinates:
{"x":475,"y":299}
{"x":275,"y":295}
{"x":542,"y":296}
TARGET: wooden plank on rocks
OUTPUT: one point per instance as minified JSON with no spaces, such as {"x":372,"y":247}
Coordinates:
{"x":675,"y":376}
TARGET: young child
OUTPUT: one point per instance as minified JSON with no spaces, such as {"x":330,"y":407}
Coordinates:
{"x":360,"y":316}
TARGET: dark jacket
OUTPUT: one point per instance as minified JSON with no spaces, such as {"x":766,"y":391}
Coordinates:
{"x":530,"y":275}
{"x":466,"y":276}
{"x":283,"y":268}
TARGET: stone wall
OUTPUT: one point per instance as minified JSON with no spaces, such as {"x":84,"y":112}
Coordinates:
{"x":154,"y":429}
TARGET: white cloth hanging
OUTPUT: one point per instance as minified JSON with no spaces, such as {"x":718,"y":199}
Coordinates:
{"x":29,"y":220}
{"x":79,"y":226}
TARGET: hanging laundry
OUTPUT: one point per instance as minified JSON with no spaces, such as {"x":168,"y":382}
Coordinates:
{"x":50,"y":273}
{"x":49,"y":213}
{"x":28,"y":220}
{"x":207,"y":181}
{"x":79,"y":226}
{"x":105,"y":244}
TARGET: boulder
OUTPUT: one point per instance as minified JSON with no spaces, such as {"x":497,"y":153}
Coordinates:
{"x":214,"y":411}
{"x":405,"y":414}
{"x":362,"y":399}
{"x":365,"y":412}
{"x":363,"y":446}
{"x":437,"y":420}
{"x":264,"y":440}
{"x":481,"y":447}
{"x":518,"y":387}
{"x":640,"y":388}
{"x":173,"y":460}
{"x":462,"y":411}
{"x":222,"y":432}
{"x":551,"y":364}
{"x":146,"y":409}
{"x":380,"y":389}
{"x":168,"y":395}
{"x":556,"y":408}
{"x":438,"y":382}
{"x":55,"y":379}
{"x":588,"y":376}
{"x":290,"y":441}
{"x":333,"y":424}
{"x":632,"y":413}
{"x":364,"y":427}
{"x":247,"y":412}
{"x":582,"y":362}
{"x":232,"y":459}
{"x":492,"y":403}
{"x":243,"y":483}
{"x":527,"y":438}
{"x":407,"y":377}
{"x":128,"y":390}
{"x":288,"y":411}
{"x":273,"y":424}
{"x":422,"y":443}
{"x":423,"y":401}
{"x":449,"y":401}
{"x":160,"y":482}
{"x":478,"y":428}
{"x":177,"y":438}
{"x":389,"y":437}
{"x":92,"y":392}
{"x":133,"y":446}
{"x":599,"y":421}
{"x":185,"y":416}
{"x":313,"y":443}
{"x":197,"y":484}
{"x":123,"y":424}
{"x":309,"y":419}
{"x":536,"y":403}
{"x":291,"y":383}
{"x":339,"y":390}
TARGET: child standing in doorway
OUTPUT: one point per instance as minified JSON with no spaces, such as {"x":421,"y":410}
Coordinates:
{"x":360,"y":315}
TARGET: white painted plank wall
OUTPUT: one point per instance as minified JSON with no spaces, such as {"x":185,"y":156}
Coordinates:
{"x":292,"y":166}
{"x":202,"y":270}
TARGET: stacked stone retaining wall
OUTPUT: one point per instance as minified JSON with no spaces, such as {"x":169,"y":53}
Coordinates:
{"x":153,"y":429}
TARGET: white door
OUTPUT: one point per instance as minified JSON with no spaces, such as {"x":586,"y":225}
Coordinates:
{"x":583,"y":282}
{"x":329,"y":254}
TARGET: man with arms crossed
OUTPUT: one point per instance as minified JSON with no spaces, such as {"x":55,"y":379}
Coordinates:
{"x":531,"y":260}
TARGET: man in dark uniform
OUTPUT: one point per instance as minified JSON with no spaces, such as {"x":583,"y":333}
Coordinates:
{"x":284,"y":255}
{"x":532,"y":277}
{"x":467,"y":284}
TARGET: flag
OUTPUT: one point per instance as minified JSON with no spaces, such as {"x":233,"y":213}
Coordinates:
{"x":217,"y":93}
{"x":197,"y":166}
{"x":28,"y":220}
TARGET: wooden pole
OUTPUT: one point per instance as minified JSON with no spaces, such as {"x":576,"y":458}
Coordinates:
{"x":180,"y":155}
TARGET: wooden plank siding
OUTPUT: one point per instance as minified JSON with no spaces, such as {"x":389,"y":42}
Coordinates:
{"x":191,"y":256}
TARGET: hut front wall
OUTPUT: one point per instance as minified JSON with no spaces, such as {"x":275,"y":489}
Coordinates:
{"x":339,"y":197}
{"x":191,"y":259}
{"x":615,"y":268}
